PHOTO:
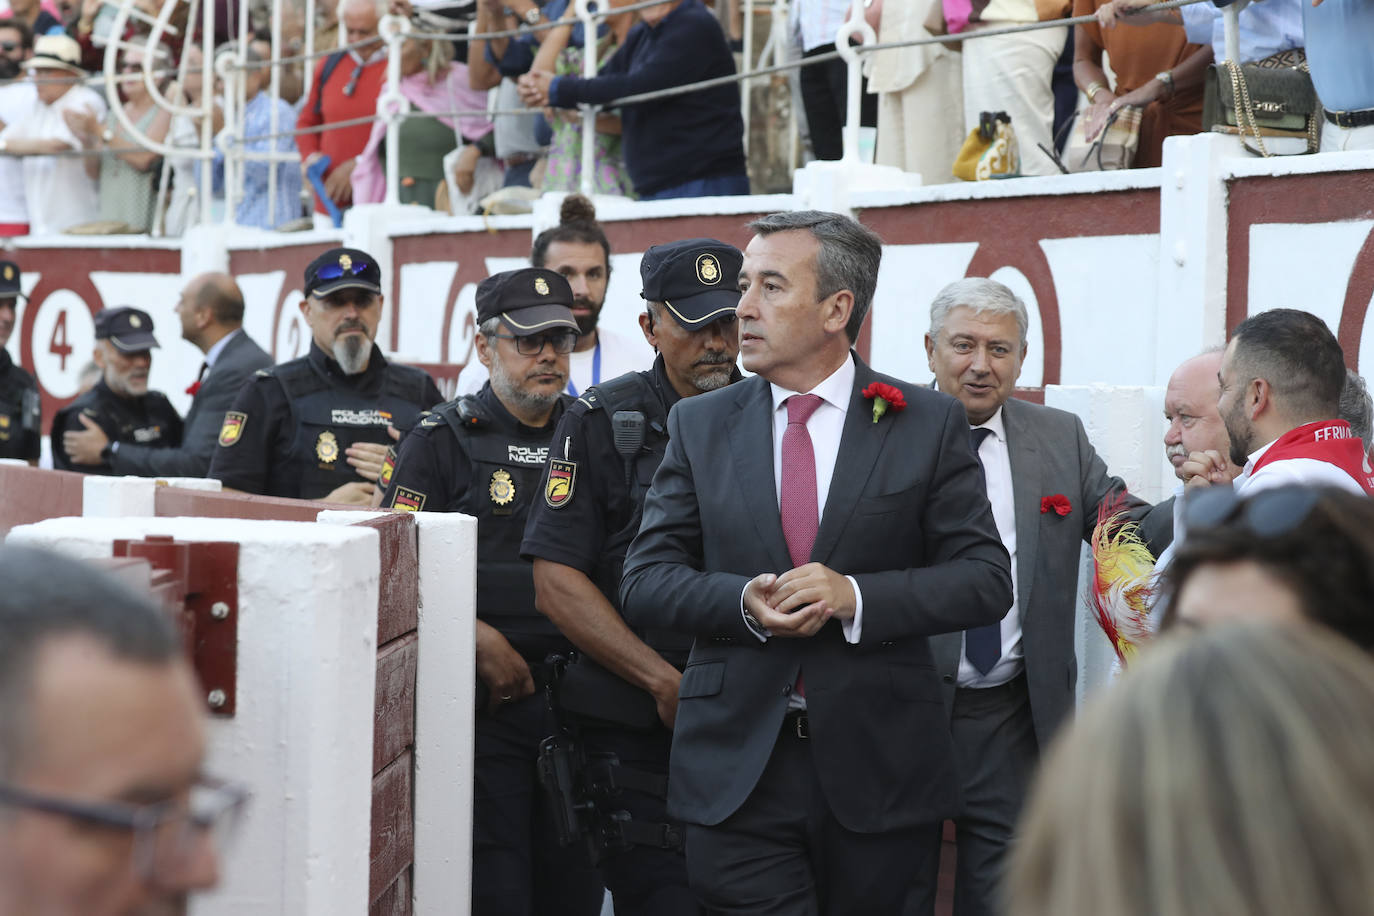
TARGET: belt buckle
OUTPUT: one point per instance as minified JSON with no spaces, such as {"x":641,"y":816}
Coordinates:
{"x":802,"y":726}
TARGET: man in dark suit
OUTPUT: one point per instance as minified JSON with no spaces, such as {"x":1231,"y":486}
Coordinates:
{"x":1009,"y":685}
{"x":211,"y":313}
{"x":811,"y":542}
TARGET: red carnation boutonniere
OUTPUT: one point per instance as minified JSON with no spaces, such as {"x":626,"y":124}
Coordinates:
{"x":193,"y":388}
{"x":884,"y":397}
{"x":1058,"y":504}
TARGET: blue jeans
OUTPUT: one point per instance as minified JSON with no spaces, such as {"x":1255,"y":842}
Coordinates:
{"x":718,"y":186}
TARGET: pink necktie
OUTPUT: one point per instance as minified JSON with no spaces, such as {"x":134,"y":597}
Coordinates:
{"x":797,"y":506}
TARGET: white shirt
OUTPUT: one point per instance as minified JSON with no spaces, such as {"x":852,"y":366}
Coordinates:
{"x":817,"y":21}
{"x":825,"y":427}
{"x":213,"y":353}
{"x":16,"y":102}
{"x":996,"y":459}
{"x":1309,"y":471}
{"x":58,"y":191}
{"x":618,"y":356}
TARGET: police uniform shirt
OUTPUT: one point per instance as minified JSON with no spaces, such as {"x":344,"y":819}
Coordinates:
{"x":491,"y":470}
{"x":21,"y":412}
{"x":290,"y":425}
{"x":149,"y":420}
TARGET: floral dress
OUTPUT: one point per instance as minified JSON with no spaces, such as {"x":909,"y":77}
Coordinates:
{"x":564,"y":170}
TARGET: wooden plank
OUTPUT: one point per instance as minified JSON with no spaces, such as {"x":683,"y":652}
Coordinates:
{"x":393,"y":825}
{"x":395,"y":900}
{"x":399,"y":592}
{"x":171,"y":502}
{"x":393,"y":725}
{"x":33,"y":494}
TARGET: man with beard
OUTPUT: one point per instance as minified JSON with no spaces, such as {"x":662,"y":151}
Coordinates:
{"x":21,"y":410}
{"x":320,"y":426}
{"x":17,"y":98}
{"x":609,"y":444}
{"x":120,"y":403}
{"x":1281,"y":379}
{"x":577,"y":248}
{"x":483,"y":455}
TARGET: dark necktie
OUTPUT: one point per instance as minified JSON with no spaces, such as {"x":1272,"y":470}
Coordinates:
{"x":797,"y":505}
{"x":982,"y":645}
{"x":194,"y":388}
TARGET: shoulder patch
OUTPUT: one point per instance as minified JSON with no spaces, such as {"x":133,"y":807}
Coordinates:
{"x":232,"y":429}
{"x":558,"y":491}
{"x":388,"y":469}
{"x":408,"y":500}
{"x":263,"y":373}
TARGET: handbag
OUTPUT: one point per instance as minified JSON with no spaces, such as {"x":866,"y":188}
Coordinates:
{"x":1272,"y":97}
{"x":1114,"y":147}
{"x":990,"y":150}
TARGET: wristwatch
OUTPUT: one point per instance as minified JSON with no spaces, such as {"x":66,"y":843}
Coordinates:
{"x":1167,"y":78}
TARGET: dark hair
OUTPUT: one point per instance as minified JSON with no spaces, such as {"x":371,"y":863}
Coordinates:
{"x":1356,"y":407}
{"x":849,"y":256}
{"x":223,"y":297}
{"x":1296,"y":353}
{"x":46,"y":596}
{"x":1326,"y":557}
{"x":23,"y":28}
{"x":576,"y":223}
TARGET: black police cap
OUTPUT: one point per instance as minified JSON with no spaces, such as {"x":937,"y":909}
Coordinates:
{"x":128,"y":328}
{"x":697,"y":280}
{"x":527,"y":301}
{"x":9,"y":280}
{"x":342,"y":268}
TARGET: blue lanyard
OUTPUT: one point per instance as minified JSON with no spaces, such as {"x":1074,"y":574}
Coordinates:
{"x":596,"y":369}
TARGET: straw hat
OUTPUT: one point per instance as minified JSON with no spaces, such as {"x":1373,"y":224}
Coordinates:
{"x":57,"y":52}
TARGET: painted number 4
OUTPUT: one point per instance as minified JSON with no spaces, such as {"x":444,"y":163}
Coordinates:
{"x":58,"y":345}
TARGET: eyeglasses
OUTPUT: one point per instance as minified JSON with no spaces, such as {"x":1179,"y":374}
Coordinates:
{"x":562,"y":341}
{"x":1267,"y":514}
{"x":354,"y":268}
{"x":167,"y":835}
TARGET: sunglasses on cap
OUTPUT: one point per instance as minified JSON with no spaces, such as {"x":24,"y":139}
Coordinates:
{"x":355,"y":268}
{"x":1267,"y":514}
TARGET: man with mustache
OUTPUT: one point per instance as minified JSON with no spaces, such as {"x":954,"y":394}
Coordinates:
{"x":577,"y":249}
{"x":609,"y":444}
{"x":320,"y":426}
{"x":120,"y":403}
{"x":21,"y":411}
{"x":17,"y":98}
{"x":483,"y":455}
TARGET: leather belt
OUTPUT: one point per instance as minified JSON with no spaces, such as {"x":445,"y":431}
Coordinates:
{"x":796,"y":723}
{"x":1349,"y":119}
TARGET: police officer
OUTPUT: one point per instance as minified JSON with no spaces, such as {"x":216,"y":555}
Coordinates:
{"x":607,"y":446}
{"x":21,"y":411}
{"x":120,"y":404}
{"x":320,"y":426}
{"x":484,"y":455}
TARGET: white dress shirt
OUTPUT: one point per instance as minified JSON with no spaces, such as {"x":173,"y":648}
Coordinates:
{"x":1311,"y":472}
{"x":825,"y":426}
{"x":213,"y":353}
{"x":996,"y":461}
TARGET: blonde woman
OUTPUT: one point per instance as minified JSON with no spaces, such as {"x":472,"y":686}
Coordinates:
{"x":1229,"y":774}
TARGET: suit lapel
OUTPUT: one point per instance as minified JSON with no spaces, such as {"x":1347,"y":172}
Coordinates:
{"x":751,"y":449}
{"x":1023,"y":450}
{"x":861,"y":442}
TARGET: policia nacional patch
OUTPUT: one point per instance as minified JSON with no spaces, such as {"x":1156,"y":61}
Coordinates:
{"x":232,"y":429}
{"x":502,"y":488}
{"x":558,"y":491}
{"x":408,"y":499}
{"x":327,"y":447}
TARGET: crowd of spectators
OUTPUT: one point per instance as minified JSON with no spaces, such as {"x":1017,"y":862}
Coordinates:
{"x":486,"y":113}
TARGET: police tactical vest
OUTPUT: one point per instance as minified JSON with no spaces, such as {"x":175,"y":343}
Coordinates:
{"x":506,"y":473}
{"x":329,"y":420}
{"x":21,"y":412}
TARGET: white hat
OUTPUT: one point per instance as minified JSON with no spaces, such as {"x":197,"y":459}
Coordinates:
{"x":60,"y":52}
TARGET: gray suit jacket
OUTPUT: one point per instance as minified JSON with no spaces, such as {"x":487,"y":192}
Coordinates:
{"x":1050,"y":454}
{"x":906,"y":516}
{"x":237,"y":362}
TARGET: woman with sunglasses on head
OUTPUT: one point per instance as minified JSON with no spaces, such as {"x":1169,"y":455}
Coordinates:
{"x":1286,"y":553}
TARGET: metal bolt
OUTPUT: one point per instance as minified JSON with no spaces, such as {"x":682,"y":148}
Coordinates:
{"x":219,"y":610}
{"x":217,"y":698}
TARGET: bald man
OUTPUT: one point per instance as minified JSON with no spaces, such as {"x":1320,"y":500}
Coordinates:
{"x":1190,"y":407}
{"x":211,"y":313}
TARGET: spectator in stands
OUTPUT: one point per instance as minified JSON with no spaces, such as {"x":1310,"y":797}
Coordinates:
{"x":1357,"y":409}
{"x":17,"y":99}
{"x":431,"y":82}
{"x":1228,"y":773}
{"x":291,"y":77}
{"x":1337,"y":35}
{"x":824,"y":85}
{"x":104,"y":806}
{"x":1288,"y":553}
{"x":688,"y":146}
{"x":1012,"y":73}
{"x":123,"y":167}
{"x":1156,"y":69}
{"x":39,"y":20}
{"x":183,"y":206}
{"x":495,"y":64}
{"x":559,"y":53}
{"x":345,"y":87}
{"x":58,"y":190}
{"x":257,"y":207}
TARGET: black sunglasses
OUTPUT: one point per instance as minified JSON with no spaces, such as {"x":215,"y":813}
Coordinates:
{"x":8,"y":46}
{"x":562,"y":341}
{"x":354,"y":268}
{"x":1267,"y":514}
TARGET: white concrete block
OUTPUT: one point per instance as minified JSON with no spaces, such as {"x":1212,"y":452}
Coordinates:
{"x":117,"y":497}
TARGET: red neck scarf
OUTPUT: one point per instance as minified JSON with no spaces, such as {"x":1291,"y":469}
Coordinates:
{"x":1328,"y":440}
